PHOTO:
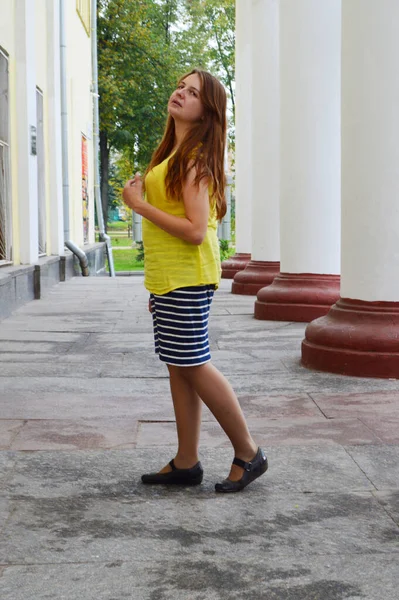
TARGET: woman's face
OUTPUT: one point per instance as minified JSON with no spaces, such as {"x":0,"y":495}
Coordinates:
{"x":185,"y":103}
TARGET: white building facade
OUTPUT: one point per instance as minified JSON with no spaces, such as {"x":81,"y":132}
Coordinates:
{"x":36,"y":175}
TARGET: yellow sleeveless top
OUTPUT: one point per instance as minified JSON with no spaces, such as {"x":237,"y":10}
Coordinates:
{"x":169,"y":262}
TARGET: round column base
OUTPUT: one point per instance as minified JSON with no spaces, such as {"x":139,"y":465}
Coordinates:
{"x":256,"y":275}
{"x":299,"y":297}
{"x":356,"y":338}
{"x":235,"y":263}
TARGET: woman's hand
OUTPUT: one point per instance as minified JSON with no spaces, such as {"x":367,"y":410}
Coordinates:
{"x":133,"y":194}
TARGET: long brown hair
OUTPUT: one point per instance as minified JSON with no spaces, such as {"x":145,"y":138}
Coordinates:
{"x":202,"y":148}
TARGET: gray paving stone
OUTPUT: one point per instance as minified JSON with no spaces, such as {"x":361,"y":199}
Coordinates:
{"x":5,"y":508}
{"x":292,"y":469}
{"x":344,"y":383}
{"x":379,"y":463}
{"x":297,"y":430}
{"x":42,"y":357}
{"x":102,"y":358}
{"x":142,"y":339}
{"x":286,"y":382}
{"x":78,"y":357}
{"x":53,"y":405}
{"x":148,"y":367}
{"x":35,"y":347}
{"x":67,"y":309}
{"x":390,"y":502}
{"x":81,"y":323}
{"x":363,"y":404}
{"x":292,"y":431}
{"x":9,"y":429}
{"x":240,"y":310}
{"x":8,"y":333}
{"x":78,"y":529}
{"x":82,"y":434}
{"x":212,"y":578}
{"x":238,"y":364}
{"x":7,"y":463}
{"x":385,"y":427}
{"x":137,"y":326}
{"x":322,"y":523}
{"x":260,"y":339}
{"x":51,"y":369}
{"x":144,"y":348}
{"x":106,"y":386}
{"x":242,"y":323}
{"x":272,"y":406}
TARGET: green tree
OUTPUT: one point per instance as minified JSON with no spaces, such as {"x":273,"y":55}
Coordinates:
{"x":138,"y":66}
{"x":214,"y":21}
{"x":143,"y":47}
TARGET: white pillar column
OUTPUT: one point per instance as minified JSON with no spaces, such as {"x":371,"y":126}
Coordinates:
{"x":360,"y":334}
{"x":54,"y":142}
{"x":26,"y":130}
{"x":370,"y":152}
{"x":243,"y":163}
{"x":265,"y":173}
{"x":310,"y":51}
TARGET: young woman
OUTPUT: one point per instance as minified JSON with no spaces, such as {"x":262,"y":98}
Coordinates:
{"x":184,"y":198}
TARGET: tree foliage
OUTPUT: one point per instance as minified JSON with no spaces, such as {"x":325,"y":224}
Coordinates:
{"x":214,"y":22}
{"x":143,"y":47}
{"x":136,"y":70}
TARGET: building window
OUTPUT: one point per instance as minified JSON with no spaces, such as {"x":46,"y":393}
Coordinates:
{"x":5,"y":196}
{"x":83,"y":10}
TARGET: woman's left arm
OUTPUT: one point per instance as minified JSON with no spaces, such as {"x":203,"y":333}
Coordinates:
{"x":191,"y":228}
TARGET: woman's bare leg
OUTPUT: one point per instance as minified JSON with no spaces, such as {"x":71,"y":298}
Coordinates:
{"x":217,"y":393}
{"x":188,"y":407}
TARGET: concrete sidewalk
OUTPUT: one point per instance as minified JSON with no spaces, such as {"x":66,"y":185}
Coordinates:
{"x":85,"y":409}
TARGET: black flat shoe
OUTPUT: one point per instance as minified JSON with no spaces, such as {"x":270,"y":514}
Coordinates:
{"x":192,"y":476}
{"x":252,"y":470}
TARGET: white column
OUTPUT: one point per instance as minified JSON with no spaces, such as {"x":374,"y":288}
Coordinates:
{"x":54,"y":141}
{"x":264,"y":174}
{"x":243,"y":95}
{"x":359,"y":336}
{"x":265,"y":131}
{"x":370,"y":151}
{"x":310,"y":167}
{"x":26,"y":129}
{"x":310,"y":136}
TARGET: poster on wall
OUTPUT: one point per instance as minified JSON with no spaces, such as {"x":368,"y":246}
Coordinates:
{"x":85,"y":190}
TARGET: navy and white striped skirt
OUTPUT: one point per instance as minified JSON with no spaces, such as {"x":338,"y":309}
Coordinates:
{"x":180,"y":320}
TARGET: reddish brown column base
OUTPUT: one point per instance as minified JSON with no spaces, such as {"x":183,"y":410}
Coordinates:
{"x":256,"y":275}
{"x":235,"y":263}
{"x":298,"y":297}
{"x":355,"y":338}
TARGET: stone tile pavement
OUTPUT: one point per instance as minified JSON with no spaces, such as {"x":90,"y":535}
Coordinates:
{"x":85,"y":409}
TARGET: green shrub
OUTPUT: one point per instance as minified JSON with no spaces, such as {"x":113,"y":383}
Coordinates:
{"x":126,"y":260}
{"x":140,"y":252}
{"x":225,"y":250}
